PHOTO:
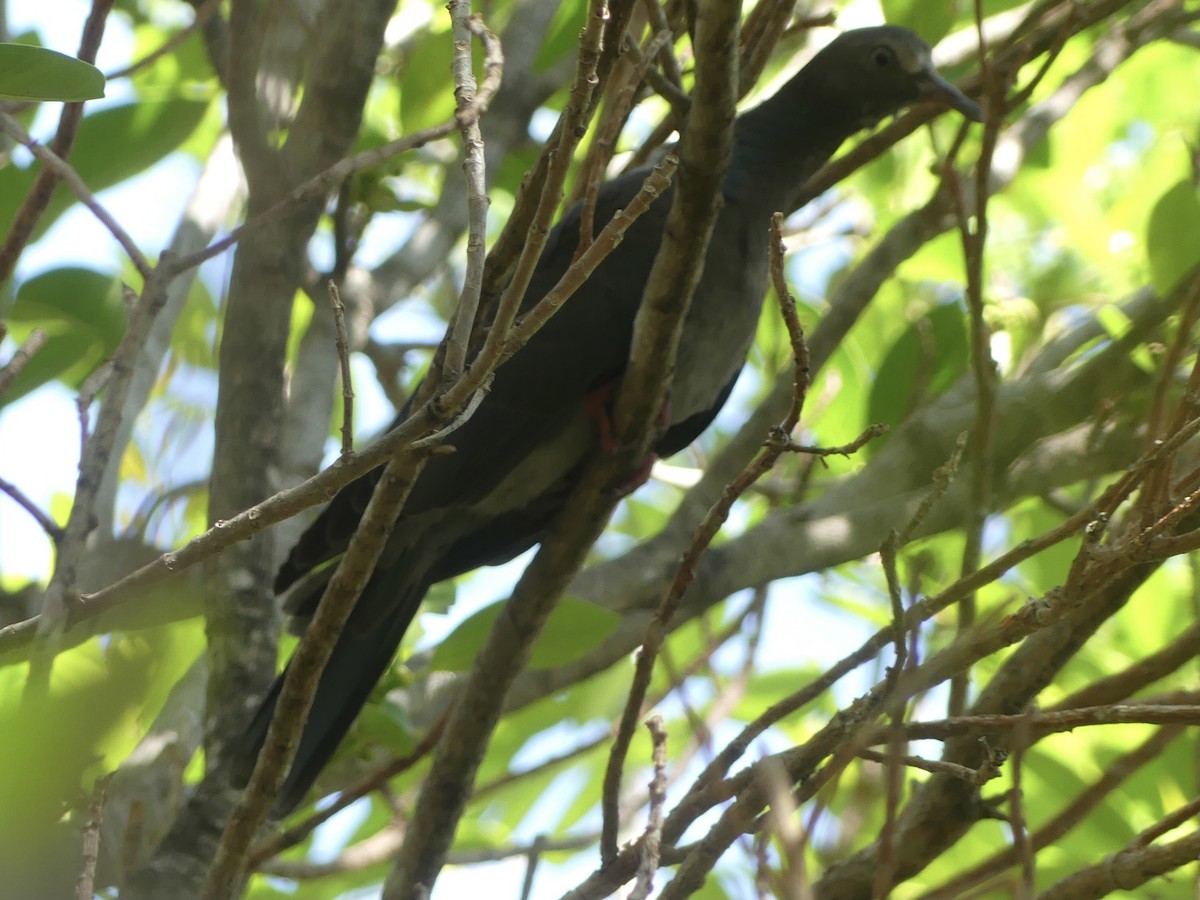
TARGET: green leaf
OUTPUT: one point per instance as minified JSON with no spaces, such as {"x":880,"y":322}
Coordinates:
{"x":187,"y":63}
{"x":112,"y":145}
{"x":924,"y":361}
{"x":440,"y":597}
{"x":1047,"y":569}
{"x":1171,"y":240}
{"x":72,"y":297}
{"x":992,"y":7}
{"x":192,"y":341}
{"x":574,"y":628}
{"x":101,"y":697}
{"x":35,"y":73}
{"x":83,"y":313}
{"x":386,"y":724}
{"x":562,"y":36}
{"x":145,"y":132}
{"x":932,"y":21}
{"x":426,"y":88}
{"x":764,"y":690}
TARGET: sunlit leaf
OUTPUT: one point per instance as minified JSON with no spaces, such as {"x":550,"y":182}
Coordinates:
{"x":145,"y":132}
{"x":930,"y":20}
{"x":574,"y":627}
{"x":426,"y":91}
{"x":1171,"y":241}
{"x":929,"y":357}
{"x":83,"y":313}
{"x":36,"y":73}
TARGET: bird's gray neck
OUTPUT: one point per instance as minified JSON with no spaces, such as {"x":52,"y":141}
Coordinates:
{"x":782,"y":142}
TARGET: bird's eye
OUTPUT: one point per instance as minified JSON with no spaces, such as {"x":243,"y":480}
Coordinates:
{"x":882,"y":56}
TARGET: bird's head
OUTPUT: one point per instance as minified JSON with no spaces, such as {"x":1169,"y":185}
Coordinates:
{"x":883,"y":69}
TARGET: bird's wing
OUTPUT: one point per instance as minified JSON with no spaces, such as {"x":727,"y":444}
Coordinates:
{"x":535,"y":397}
{"x":583,"y":346}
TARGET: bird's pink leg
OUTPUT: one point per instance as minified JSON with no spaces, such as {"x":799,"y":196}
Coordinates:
{"x":598,"y":405}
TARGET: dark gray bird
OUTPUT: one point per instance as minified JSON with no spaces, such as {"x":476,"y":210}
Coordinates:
{"x":518,"y":456}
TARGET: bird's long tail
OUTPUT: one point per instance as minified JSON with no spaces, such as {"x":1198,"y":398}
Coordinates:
{"x":361,"y":655}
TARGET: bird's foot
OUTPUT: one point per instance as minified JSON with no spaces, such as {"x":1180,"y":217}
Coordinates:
{"x":598,"y":405}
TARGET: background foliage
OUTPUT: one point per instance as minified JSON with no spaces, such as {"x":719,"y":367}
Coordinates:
{"x":1062,"y":350}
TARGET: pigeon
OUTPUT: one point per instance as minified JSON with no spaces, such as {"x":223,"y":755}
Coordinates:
{"x":517,"y":457}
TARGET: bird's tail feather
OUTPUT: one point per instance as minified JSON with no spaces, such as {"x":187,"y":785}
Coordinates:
{"x":359,"y":659}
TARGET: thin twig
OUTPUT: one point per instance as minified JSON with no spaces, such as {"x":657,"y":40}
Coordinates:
{"x":893,"y":765}
{"x":666,"y":52}
{"x":1016,"y":809}
{"x":343,"y":352}
{"x":652,"y":838}
{"x":936,"y":766}
{"x":620,"y":94}
{"x":21,"y":357}
{"x":766,"y":26}
{"x":662,"y":84}
{"x":887,"y":558}
{"x":1167,"y":823}
{"x":1041,"y":724}
{"x":85,"y":884}
{"x":781,"y":817}
{"x":43,"y":519}
{"x":868,"y":434}
{"x":458,"y":334}
{"x":533,"y":856}
{"x":63,"y":171}
{"x":943,"y":477}
{"x":1176,"y":351}
{"x":1127,"y":870}
{"x":372,"y":850}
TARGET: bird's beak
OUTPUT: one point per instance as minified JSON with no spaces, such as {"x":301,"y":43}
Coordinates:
{"x":933,"y":88}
